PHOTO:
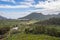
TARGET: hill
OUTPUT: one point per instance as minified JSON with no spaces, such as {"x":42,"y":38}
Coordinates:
{"x":39,"y":16}
{"x":2,"y":18}
{"x":51,"y":21}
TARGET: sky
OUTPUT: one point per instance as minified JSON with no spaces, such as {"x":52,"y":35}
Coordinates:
{"x":19,"y":8}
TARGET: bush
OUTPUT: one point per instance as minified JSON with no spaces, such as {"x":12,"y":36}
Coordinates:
{"x":43,"y":30}
{"x":4,"y":30}
{"x":35,"y":30}
{"x":28,"y":30}
{"x":39,"y":30}
{"x":51,"y":31}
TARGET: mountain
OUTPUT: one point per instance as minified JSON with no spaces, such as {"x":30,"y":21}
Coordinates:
{"x":2,"y":18}
{"x":51,"y":21}
{"x":39,"y":16}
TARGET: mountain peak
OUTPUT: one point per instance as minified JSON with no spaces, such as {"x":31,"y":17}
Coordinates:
{"x":39,"y":16}
{"x":37,"y":13}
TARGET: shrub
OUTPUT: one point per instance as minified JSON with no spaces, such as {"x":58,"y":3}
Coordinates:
{"x":39,"y":30}
{"x":43,"y":30}
{"x":4,"y":30}
{"x":28,"y":30}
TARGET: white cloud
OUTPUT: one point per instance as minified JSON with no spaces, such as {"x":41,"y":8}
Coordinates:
{"x":18,"y":6}
{"x":13,"y":1}
{"x":28,"y":2}
{"x":24,"y":4}
{"x":14,"y":15}
{"x":49,"y":6}
{"x":5,"y":0}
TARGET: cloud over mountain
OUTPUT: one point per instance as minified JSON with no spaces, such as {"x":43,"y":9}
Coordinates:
{"x":44,"y":6}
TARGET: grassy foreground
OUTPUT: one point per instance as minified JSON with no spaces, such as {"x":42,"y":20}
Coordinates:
{"x":23,"y":36}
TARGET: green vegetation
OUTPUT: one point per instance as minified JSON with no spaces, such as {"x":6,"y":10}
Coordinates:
{"x":31,"y":29}
{"x":23,"y":36}
{"x":49,"y":27}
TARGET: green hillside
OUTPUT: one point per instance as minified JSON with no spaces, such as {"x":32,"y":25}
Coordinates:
{"x":27,"y":30}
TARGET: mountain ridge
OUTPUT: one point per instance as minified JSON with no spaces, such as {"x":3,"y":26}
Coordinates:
{"x":2,"y":18}
{"x":39,"y":16}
